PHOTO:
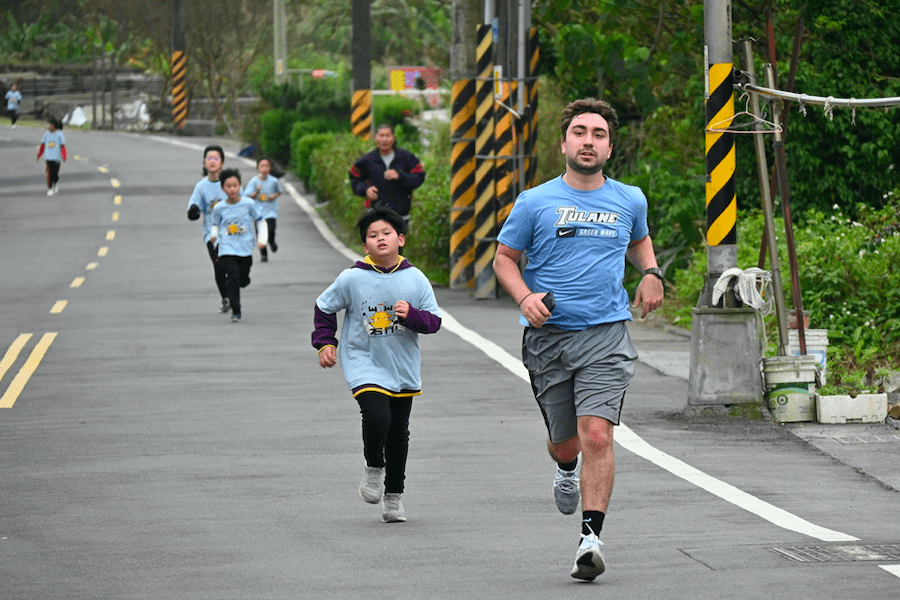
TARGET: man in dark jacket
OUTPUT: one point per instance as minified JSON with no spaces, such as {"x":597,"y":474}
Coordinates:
{"x":387,"y":175}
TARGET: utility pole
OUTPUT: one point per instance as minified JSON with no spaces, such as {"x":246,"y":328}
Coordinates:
{"x":462,"y":144}
{"x":361,"y":49}
{"x":179,"y":66}
{"x":725,"y":346}
{"x":279,"y":45}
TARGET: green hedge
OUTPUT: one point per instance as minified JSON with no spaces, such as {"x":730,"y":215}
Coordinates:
{"x":274,"y":138}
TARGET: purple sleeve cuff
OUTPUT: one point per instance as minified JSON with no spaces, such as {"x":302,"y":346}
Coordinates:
{"x":325,"y":328}
{"x":421,"y":321}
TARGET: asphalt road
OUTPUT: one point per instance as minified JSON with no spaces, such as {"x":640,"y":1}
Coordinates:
{"x":150,"y":449}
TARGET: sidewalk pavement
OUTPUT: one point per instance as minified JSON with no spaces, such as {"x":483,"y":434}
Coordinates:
{"x":871,"y":448}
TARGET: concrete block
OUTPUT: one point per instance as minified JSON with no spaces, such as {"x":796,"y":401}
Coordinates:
{"x":864,"y":408}
{"x":198,"y":128}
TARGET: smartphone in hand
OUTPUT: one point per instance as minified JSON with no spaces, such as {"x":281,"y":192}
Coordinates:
{"x":549,"y":301}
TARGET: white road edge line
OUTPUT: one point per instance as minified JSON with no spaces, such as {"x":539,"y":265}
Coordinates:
{"x":627,"y":438}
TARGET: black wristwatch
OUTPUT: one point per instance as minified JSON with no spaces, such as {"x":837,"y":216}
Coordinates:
{"x":654,"y":271}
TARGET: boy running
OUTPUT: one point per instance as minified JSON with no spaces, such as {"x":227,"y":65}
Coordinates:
{"x":265,"y":189}
{"x":387,"y":302}
{"x":232,"y":226}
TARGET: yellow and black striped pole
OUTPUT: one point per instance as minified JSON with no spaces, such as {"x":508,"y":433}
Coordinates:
{"x":485,"y":200}
{"x":361,"y":114}
{"x":531,"y":128}
{"x":179,"y":96}
{"x":462,"y":183}
{"x":503,"y":166}
{"x":179,"y":66}
{"x":721,"y":202}
{"x":360,"y":48}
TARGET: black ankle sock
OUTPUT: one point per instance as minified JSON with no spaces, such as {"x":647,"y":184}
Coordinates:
{"x":568,"y":466}
{"x":592,"y":522}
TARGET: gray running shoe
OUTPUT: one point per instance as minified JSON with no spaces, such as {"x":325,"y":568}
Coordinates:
{"x":589,"y":561}
{"x":235,"y":318}
{"x":226,"y":306}
{"x":372,"y":485}
{"x":567,"y":490}
{"x":392,"y":509}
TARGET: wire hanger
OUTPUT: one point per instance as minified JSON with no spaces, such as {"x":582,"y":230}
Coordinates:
{"x":747,"y":126}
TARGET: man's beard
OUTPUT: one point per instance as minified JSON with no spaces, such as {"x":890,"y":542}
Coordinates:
{"x":581,"y":170}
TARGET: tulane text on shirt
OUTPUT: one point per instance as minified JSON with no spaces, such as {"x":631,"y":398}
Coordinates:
{"x":571,"y":214}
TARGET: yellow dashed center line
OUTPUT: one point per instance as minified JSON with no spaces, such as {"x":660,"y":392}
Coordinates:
{"x":115,"y":216}
{"x":118,"y":199}
{"x":103,"y":169}
{"x":58,"y":307}
{"x":77,"y":282}
{"x":91,"y":266}
{"x":110,"y":235}
{"x":102,"y":251}
{"x":115,"y":183}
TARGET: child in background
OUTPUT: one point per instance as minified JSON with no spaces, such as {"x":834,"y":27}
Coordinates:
{"x":54,"y":144}
{"x":387,"y":302}
{"x":233,"y":228}
{"x":207,"y":193}
{"x":265,"y":189}
{"x":13,"y":97}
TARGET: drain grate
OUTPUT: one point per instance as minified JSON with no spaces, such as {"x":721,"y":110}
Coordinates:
{"x":821,"y":554}
{"x":868,"y":438}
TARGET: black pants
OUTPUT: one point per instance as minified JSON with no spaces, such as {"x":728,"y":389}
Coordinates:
{"x":270,"y":223}
{"x":52,"y":173}
{"x":13,"y":115}
{"x":385,"y":433}
{"x":236,"y":270}
{"x":217,"y":268}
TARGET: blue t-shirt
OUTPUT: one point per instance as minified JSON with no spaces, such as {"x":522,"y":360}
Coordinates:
{"x":206,"y":195}
{"x":374,"y":348}
{"x":237,"y":233}
{"x":575,"y":242}
{"x":12,"y":100}
{"x":270,"y":185}
{"x":53,"y":142}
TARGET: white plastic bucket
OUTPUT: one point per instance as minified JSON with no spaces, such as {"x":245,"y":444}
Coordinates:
{"x":790,"y":383}
{"x":816,"y":345}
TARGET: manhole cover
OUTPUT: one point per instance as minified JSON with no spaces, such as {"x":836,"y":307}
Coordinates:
{"x":820,"y":554}
{"x":885,"y":438}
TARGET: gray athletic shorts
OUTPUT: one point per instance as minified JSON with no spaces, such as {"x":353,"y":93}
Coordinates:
{"x":578,"y":373}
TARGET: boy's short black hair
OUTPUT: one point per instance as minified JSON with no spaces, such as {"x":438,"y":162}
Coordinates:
{"x":228,"y":173}
{"x":380,"y":213}
{"x":207,"y":150}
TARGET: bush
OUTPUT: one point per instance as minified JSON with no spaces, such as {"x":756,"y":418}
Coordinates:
{"x":274,"y":136}
{"x":392,"y":110}
{"x":315,"y":129}
{"x":846,"y":281}
{"x":329,"y":179}
{"x":302,"y":148}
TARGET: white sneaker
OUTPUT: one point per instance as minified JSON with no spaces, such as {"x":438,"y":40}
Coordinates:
{"x":567,"y":490}
{"x":392,"y":509}
{"x":55,"y":188}
{"x":372,"y":485}
{"x":50,"y":192}
{"x":588,"y":560}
